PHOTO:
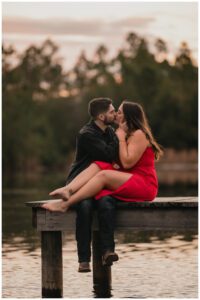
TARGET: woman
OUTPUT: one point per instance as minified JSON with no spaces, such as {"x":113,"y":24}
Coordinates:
{"x":133,"y":180}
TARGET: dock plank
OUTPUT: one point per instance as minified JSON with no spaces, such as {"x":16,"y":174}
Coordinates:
{"x":163,"y":214}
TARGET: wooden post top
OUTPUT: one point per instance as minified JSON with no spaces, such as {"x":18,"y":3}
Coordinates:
{"x":161,"y":202}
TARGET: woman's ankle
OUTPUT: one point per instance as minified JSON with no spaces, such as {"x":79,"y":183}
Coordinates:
{"x":70,"y":191}
{"x":67,"y":193}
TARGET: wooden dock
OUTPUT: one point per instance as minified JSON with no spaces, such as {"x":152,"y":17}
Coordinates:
{"x":174,"y":213}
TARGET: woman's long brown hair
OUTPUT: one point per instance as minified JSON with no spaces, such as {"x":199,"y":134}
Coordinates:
{"x":136,"y":119}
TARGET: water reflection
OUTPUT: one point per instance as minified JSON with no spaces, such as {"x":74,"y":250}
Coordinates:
{"x":159,"y":266}
{"x":29,"y":241}
{"x":151,"y":236}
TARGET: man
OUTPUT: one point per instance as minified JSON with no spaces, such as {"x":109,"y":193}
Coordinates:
{"x":95,"y":141}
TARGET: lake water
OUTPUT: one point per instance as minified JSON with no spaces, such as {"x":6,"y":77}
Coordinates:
{"x":151,"y":265}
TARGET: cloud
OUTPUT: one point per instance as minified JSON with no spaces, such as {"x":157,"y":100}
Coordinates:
{"x":135,"y":22}
{"x":72,"y":27}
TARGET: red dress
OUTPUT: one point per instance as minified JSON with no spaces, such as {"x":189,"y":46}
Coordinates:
{"x":141,"y":186}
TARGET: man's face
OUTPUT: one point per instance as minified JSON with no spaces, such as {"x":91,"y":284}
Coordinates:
{"x":109,"y":116}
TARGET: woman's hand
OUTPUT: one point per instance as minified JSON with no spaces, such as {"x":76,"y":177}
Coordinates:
{"x":123,"y":126}
{"x":121,"y":134}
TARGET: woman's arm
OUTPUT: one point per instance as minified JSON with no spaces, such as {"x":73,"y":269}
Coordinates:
{"x":130,"y":152}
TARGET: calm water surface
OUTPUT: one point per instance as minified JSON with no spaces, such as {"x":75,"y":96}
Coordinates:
{"x":151,"y":265}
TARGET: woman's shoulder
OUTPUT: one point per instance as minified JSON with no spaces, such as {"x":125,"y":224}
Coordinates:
{"x":139,"y":131}
{"x":138,"y":135}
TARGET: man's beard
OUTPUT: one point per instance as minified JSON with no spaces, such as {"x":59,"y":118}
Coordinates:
{"x":108,"y":122}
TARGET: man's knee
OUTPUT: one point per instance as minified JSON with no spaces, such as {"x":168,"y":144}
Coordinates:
{"x":106,"y":203}
{"x":85,"y":206}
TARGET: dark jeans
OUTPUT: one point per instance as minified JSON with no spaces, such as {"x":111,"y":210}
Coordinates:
{"x":106,"y":215}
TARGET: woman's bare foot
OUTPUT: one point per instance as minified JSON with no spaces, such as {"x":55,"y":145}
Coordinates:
{"x":56,"y":205}
{"x":63,"y":193}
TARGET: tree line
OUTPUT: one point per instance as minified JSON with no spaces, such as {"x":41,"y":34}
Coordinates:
{"x":44,"y":105}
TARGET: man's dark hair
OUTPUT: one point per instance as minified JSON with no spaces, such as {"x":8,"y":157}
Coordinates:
{"x":98,"y":105}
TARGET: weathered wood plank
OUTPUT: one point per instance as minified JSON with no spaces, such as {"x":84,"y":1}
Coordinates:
{"x":161,"y":218}
{"x":158,"y":202}
{"x":54,"y":221}
{"x":163,"y":213}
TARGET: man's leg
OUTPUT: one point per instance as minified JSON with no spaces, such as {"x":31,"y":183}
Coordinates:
{"x":106,"y":216}
{"x":83,"y":229}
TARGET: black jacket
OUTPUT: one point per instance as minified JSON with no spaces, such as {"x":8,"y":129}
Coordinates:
{"x":92,"y":143}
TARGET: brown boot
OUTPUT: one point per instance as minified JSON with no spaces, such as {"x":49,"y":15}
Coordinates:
{"x":109,"y":257}
{"x":84,"y":267}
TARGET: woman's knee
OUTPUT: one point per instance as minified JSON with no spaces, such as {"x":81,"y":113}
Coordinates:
{"x":95,"y":167}
{"x":102,"y":176}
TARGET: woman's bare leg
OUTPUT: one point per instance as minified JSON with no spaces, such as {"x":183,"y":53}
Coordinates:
{"x":77,"y":182}
{"x":104,"y":179}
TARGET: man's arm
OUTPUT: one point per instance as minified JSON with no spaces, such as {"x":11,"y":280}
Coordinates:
{"x":98,"y":149}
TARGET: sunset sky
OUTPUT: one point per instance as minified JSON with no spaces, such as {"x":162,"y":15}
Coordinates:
{"x":83,"y":26}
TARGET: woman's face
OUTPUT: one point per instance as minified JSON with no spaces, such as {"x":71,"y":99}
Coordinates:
{"x":120,"y":115}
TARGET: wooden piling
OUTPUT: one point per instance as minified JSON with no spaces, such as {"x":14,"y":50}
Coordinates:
{"x":101,"y":274}
{"x":52,"y":277}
